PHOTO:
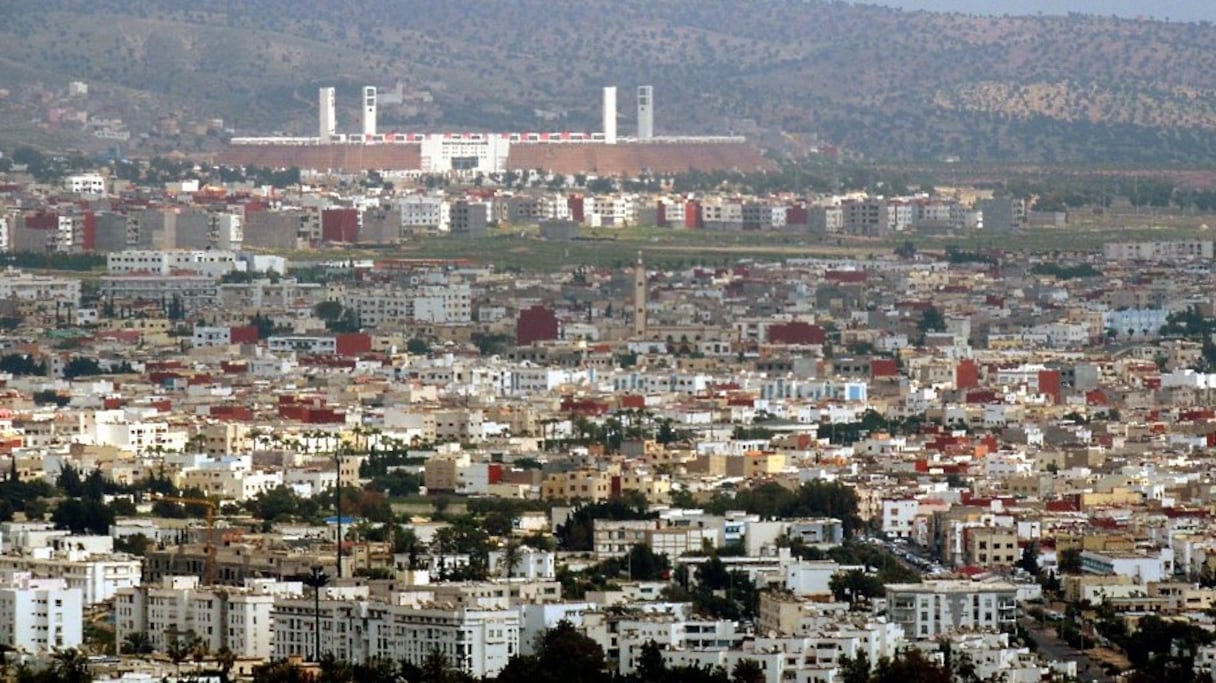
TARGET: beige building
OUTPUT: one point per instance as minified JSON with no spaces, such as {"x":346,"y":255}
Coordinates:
{"x":442,"y":471}
{"x":586,"y":485}
{"x":990,"y":547}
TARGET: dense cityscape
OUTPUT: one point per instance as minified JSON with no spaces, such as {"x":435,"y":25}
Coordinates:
{"x":358,"y":403}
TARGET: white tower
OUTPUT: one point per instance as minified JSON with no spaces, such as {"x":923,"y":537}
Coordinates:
{"x":645,"y":112}
{"x":328,"y":120}
{"x":369,"y":110}
{"x":610,"y":115}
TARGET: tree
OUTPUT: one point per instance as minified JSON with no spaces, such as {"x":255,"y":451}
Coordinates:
{"x":1165,"y":649}
{"x":225,"y":659}
{"x":80,"y":516}
{"x":178,"y":650}
{"x":712,"y":575}
{"x":931,"y":320}
{"x":328,"y":311}
{"x":855,"y":585}
{"x":910,"y":665}
{"x":70,"y":666}
{"x":1029,"y":561}
{"x":80,"y":366}
{"x":280,"y":671}
{"x":69,"y":481}
{"x":855,"y":669}
{"x":418,"y":347}
{"x":747,"y":671}
{"x":650,"y":666}
{"x":644,"y":564}
{"x":334,"y":670}
{"x":137,"y":643}
{"x":1070,"y":561}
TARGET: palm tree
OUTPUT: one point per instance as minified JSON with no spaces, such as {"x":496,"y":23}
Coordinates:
{"x":71,"y":666}
{"x":137,"y":643}
{"x":178,"y":650}
{"x":225,"y":659}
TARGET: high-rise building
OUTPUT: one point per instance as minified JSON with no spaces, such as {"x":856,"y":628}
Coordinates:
{"x":609,"y":115}
{"x":369,"y":110}
{"x":645,"y":112}
{"x":327,"y":118}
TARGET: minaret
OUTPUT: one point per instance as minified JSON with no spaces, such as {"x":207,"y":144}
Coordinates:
{"x":639,"y":299}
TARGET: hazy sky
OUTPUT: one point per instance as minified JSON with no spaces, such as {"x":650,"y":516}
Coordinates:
{"x":1175,"y":10}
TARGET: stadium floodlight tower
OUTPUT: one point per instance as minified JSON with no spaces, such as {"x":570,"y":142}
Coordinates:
{"x":327,"y":119}
{"x":645,"y":112}
{"x":369,"y":110}
{"x":610,"y":115}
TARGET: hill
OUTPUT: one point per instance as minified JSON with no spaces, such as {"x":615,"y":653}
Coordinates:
{"x":887,"y":83}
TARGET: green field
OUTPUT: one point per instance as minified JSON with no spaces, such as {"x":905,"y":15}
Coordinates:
{"x":665,"y":248}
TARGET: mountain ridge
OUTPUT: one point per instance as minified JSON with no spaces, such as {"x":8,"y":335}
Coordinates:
{"x":883,"y":82}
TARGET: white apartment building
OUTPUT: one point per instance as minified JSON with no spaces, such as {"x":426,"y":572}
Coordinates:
{"x":671,"y":632}
{"x":118,"y":429}
{"x":84,"y":183}
{"x":427,"y":303}
{"x":477,"y":641}
{"x":157,"y":262}
{"x":899,"y":517}
{"x":14,"y":284}
{"x":39,"y":615}
{"x":97,"y":577}
{"x":935,"y":608}
{"x":230,"y":478}
{"x":446,"y":304}
{"x":529,"y":564}
{"x":423,"y":212}
{"x":239,"y":618}
{"x":1158,"y":250}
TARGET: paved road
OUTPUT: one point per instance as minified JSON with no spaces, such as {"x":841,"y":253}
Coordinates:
{"x":1051,"y":647}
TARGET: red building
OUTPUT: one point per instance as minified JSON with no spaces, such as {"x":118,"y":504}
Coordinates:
{"x":966,"y":375}
{"x":796,"y":333}
{"x":352,"y":343}
{"x":575,"y":204}
{"x":693,"y":217}
{"x":246,"y":334}
{"x":340,"y":225}
{"x":534,"y":324}
{"x":1049,"y":384}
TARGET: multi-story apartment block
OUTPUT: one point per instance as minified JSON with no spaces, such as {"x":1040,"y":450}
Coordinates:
{"x":477,"y":641}
{"x":179,"y":608}
{"x":935,"y":608}
{"x":39,"y":615}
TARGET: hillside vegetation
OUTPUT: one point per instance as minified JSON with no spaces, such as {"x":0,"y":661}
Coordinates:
{"x":891,"y":84}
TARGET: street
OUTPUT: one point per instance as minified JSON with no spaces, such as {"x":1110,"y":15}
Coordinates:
{"x":1051,"y":647}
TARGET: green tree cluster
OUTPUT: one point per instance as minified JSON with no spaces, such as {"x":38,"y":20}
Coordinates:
{"x":812,"y":499}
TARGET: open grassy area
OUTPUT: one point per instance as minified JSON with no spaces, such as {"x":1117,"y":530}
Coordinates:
{"x":520,"y":248}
